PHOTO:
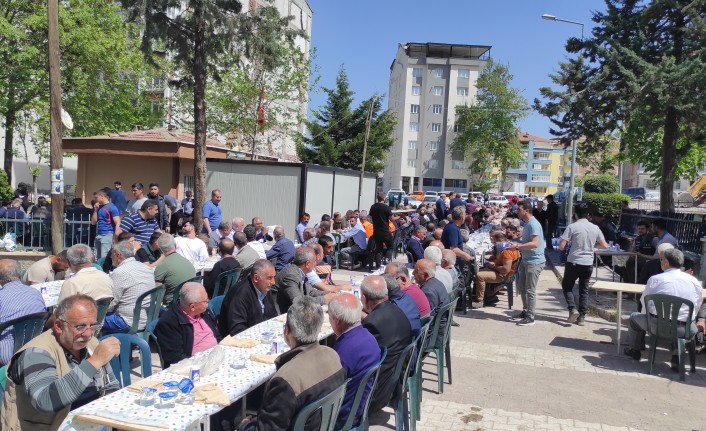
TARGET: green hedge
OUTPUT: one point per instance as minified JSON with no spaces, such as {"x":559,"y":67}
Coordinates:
{"x":606,"y":203}
{"x":601,"y":184}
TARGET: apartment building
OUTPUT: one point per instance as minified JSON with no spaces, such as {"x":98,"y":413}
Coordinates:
{"x":546,"y":167}
{"x":427,"y":82}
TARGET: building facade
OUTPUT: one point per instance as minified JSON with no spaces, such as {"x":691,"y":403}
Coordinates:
{"x":546,"y":167}
{"x":427,"y":82}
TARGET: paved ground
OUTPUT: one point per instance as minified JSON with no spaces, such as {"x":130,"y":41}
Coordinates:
{"x":552,"y":376}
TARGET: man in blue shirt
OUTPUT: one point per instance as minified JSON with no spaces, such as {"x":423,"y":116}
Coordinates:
{"x":117,"y":197}
{"x":283,"y":249}
{"x":303,"y":224}
{"x":106,"y":217}
{"x":414,"y":245}
{"x":212,"y":215}
{"x":360,"y":240}
{"x":451,"y":236}
{"x":532,"y":250}
{"x":441,"y":210}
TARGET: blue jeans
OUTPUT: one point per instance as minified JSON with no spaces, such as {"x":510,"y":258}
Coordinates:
{"x":104,"y":243}
{"x":114,"y":324}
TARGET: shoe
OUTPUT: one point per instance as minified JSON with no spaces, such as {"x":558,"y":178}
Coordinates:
{"x":477,"y":305}
{"x":521,"y":315}
{"x":675,"y":363}
{"x":581,"y":321}
{"x":573,"y":315}
{"x":454,"y":323}
{"x":635,"y":354}
{"x":527,"y":321}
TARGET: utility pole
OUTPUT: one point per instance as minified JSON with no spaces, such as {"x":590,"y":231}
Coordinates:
{"x":56,"y":156}
{"x":365,"y":148}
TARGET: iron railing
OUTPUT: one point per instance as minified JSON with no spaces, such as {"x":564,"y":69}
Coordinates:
{"x":687,"y":228}
{"x":35,"y":233}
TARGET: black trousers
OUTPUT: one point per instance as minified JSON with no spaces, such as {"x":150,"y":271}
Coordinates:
{"x":572,"y":272}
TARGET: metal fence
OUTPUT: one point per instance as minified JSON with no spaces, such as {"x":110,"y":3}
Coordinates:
{"x":35,"y":233}
{"x":687,"y":228}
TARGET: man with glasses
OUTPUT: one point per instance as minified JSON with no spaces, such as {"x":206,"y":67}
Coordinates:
{"x":188,"y":326}
{"x":61,"y":369}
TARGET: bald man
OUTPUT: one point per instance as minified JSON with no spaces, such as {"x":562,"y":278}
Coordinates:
{"x":283,"y":249}
{"x":188,"y":326}
{"x":226,"y":249}
{"x":425,"y":275}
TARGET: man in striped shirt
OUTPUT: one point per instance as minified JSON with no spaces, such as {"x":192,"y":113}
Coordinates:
{"x":141,"y":223}
{"x":16,"y":300}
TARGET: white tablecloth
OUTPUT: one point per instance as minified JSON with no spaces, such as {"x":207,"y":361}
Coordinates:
{"x":53,"y":289}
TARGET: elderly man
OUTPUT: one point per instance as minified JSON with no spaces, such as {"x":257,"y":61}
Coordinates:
{"x":292,"y":281}
{"x":174,"y":270}
{"x":356,"y":232}
{"x":309,"y":236}
{"x":141,"y":223}
{"x":304,"y":374}
{"x":531,"y":248}
{"x":189,"y":246}
{"x":496,"y":270}
{"x":237,"y":225}
{"x":227,"y":263}
{"x":261,"y":232}
{"x":448,"y":262}
{"x":441,"y":210}
{"x":46,"y":269}
{"x":400,"y":272}
{"x":217,"y":235}
{"x":403,"y":301}
{"x":212,"y":213}
{"x":246,"y":255}
{"x":414,"y":245}
{"x":63,"y":368}
{"x":16,"y":300}
{"x":672,"y":282}
{"x":187,"y":327}
{"x":434,"y":254}
{"x":303,"y":224}
{"x":149,"y":253}
{"x":283,"y":250}
{"x":357,"y":348}
{"x":250,"y":234}
{"x":425,"y":274}
{"x":106,"y":217}
{"x":249,"y":302}
{"x":391,"y":329}
{"x":130,"y":280}
{"x":87,"y":279}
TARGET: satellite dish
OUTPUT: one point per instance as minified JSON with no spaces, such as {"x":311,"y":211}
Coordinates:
{"x":66,"y":119}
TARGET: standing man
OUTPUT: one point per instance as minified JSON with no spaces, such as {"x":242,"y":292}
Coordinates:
{"x":532,"y":251}
{"x":117,"y":197}
{"x":161,"y":217}
{"x":187,"y":204}
{"x":138,"y":198}
{"x":303,"y":224}
{"x":381,"y":215}
{"x":552,"y":218}
{"x":541,"y":215}
{"x":441,"y":209}
{"x":106,"y":217}
{"x":212,"y":215}
{"x":584,"y":236}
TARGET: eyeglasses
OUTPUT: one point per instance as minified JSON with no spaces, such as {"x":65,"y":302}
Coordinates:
{"x":80,"y":329}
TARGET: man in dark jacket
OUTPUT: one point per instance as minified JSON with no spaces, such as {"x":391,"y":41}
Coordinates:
{"x":304,"y":374}
{"x":552,"y":221}
{"x":187,"y":327}
{"x":161,"y":217}
{"x":291,"y":281}
{"x":283,"y":249}
{"x":424,"y":275}
{"x":249,"y":302}
{"x":226,"y":248}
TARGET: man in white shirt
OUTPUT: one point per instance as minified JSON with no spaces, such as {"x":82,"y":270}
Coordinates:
{"x":433,"y":253}
{"x":673,"y":281}
{"x":189,"y":246}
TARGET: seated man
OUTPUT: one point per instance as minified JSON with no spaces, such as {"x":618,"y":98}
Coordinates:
{"x":149,"y":253}
{"x":424,"y":274}
{"x":227,"y":263}
{"x":249,"y":302}
{"x":246,"y":255}
{"x":217,"y":235}
{"x":174,"y":269}
{"x":391,"y":329}
{"x":187,"y":327}
{"x":63,"y":368}
{"x":433,"y":253}
{"x":448,"y":262}
{"x":414,"y":245}
{"x":401,"y":274}
{"x":16,"y":300}
{"x":313,"y":276}
{"x":304,"y":374}
{"x":652,"y":267}
{"x":357,"y":349}
{"x":497,"y":270}
{"x":87,"y":279}
{"x":250,"y":235}
{"x":356,"y":233}
{"x":645,"y":251}
{"x":403,"y":301}
{"x":673,"y":282}
{"x":451,"y":235}
{"x":292,"y":283}
{"x":189,"y":246}
{"x":45,"y":270}
{"x":309,"y":236}
{"x":324,"y":267}
{"x":659,"y":227}
{"x":130,"y":280}
{"x":283,"y":249}
{"x":261,"y":231}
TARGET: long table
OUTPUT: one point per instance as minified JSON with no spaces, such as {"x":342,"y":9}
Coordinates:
{"x":51,"y":297}
{"x":235,"y":383}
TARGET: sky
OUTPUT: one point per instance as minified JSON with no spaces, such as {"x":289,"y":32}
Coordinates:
{"x":363,"y":36}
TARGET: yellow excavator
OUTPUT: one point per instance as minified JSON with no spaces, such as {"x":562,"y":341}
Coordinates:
{"x":696,"y":194}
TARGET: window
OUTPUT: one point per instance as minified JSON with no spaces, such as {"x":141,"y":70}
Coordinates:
{"x":414,"y":109}
{"x":464,"y":73}
{"x":462,"y":91}
{"x":431,"y":182}
{"x":522,"y":177}
{"x":433,"y":145}
{"x":522,"y":166}
{"x":412,"y":145}
{"x":437,"y":109}
{"x":438,"y":90}
{"x":451,"y":183}
{"x":439,"y":72}
{"x":541,"y":155}
{"x":458,"y":128}
{"x":540,"y":167}
{"x":457,"y":164}
{"x":413,"y":127}
{"x":540,"y":178}
{"x":432,"y":164}
{"x":436,"y":127}
{"x":411,"y":163}
{"x":417,"y":72}
{"x":416,"y":90}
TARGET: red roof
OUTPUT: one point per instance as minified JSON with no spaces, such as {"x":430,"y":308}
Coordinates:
{"x":160,"y":135}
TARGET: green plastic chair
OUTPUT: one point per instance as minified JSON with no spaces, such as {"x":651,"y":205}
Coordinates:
{"x":231,"y":278}
{"x":445,"y":349}
{"x":329,"y":405}
{"x":3,"y":380}
{"x":155,"y":297}
{"x":25,"y":328}
{"x":373,"y":374}
{"x":667,"y":327}
{"x":175,"y":298}
{"x":121,"y":363}
{"x":149,"y":331}
{"x":414,"y":381}
{"x":103,"y":304}
{"x":400,"y":374}
{"x":215,"y":305}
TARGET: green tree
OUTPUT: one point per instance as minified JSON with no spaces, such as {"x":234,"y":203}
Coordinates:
{"x":487,"y":128}
{"x":645,"y":83}
{"x":337,"y":133}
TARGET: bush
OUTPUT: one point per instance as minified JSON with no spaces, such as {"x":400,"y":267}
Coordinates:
{"x":6,"y":192}
{"x":601,"y":184}
{"x":606,"y":203}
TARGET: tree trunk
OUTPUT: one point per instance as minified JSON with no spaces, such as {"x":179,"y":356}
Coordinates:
{"x":10,"y":119}
{"x":56,"y":154}
{"x":199,"y":72}
{"x":669,"y":160}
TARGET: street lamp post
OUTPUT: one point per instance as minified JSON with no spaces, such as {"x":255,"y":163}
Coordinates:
{"x":570,"y":206}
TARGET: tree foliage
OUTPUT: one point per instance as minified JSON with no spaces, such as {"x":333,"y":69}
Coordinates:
{"x":488,"y":127}
{"x":643,"y":82}
{"x":337,"y":133}
{"x":606,"y":203}
{"x":601,"y":184}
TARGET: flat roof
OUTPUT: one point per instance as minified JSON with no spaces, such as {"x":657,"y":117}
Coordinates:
{"x":446,"y":50}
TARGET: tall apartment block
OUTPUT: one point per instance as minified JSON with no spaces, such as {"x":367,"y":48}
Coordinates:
{"x":427,"y":82}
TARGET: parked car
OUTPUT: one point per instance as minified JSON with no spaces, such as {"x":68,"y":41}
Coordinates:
{"x":411,"y":201}
{"x":431,"y":193}
{"x":418,"y":195}
{"x":429,"y":198}
{"x":635,"y":192}
{"x":501,"y":200}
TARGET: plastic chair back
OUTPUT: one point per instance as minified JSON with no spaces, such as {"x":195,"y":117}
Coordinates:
{"x":149,"y":331}
{"x":667,"y":310}
{"x":3,"y":379}
{"x":121,"y":363}
{"x":244,"y":274}
{"x":446,"y":310}
{"x":175,"y":298}
{"x":226,"y":279}
{"x":103,"y":304}
{"x":25,"y":328}
{"x":215,"y":305}
{"x":410,"y":256}
{"x":154,"y":298}
{"x":373,"y":374}
{"x":329,"y":406}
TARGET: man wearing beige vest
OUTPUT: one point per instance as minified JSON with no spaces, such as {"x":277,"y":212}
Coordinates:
{"x":62,"y":369}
